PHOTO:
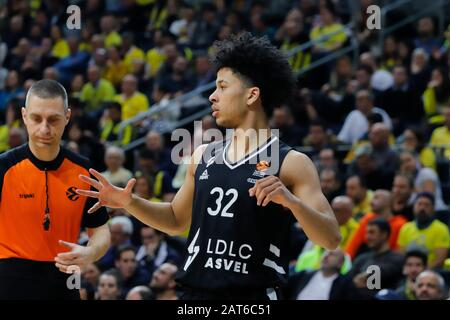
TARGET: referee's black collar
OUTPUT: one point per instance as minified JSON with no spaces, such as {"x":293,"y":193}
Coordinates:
{"x":46,"y":165}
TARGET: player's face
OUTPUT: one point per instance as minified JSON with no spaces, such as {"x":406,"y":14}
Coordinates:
{"x":229,"y":100}
{"x":45,"y":120}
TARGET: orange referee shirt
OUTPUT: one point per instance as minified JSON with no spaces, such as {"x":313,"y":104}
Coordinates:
{"x":24,"y":180}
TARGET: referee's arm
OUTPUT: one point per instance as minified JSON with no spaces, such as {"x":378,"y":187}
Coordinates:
{"x":99,"y":241}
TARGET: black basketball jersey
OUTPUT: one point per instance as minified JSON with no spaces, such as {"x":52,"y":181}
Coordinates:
{"x":232,"y":242}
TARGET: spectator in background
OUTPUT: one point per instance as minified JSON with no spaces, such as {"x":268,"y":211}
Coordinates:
{"x":419,"y":70}
{"x":441,"y":136}
{"x":385,"y":157}
{"x":437,"y":95}
{"x":426,"y":39}
{"x":425,"y":179}
{"x":430,"y":285}
{"x":18,"y":54}
{"x":326,"y":160}
{"x":132,"y":101}
{"x":259,"y":26}
{"x":111,"y":126}
{"x":365,"y":165}
{"x":17,"y":137}
{"x":340,"y":77}
{"x":290,"y":35}
{"x":206,"y":27}
{"x":131,"y":273}
{"x":13,"y":89}
{"x":343,"y":210}
{"x":311,"y":255}
{"x":91,"y":276}
{"x":50,"y":73}
{"x":324,"y":284}
{"x":380,"y":79}
{"x":116,"y":173}
{"x":155,"y":250}
{"x":129,"y":50}
{"x":162,"y":56}
{"x":332,"y":31}
{"x":75,"y":63}
{"x":154,"y":142}
{"x":144,"y":187}
{"x":116,"y":68}
{"x":402,"y":94}
{"x":148,"y":165}
{"x":381,"y":208}
{"x":356,"y":124}
{"x":88,"y":144}
{"x":203,"y":71}
{"x":412,"y":140}
{"x":426,"y":232}
{"x":13,"y":120}
{"x":380,"y":254}
{"x":76,"y":85}
{"x":331,"y":184}
{"x":318,"y":138}
{"x":178,"y":81}
{"x":121,"y":230}
{"x":184,"y":28}
{"x":109,"y":27}
{"x":96,"y":91}
{"x":415,"y":263}
{"x":60,"y":47}
{"x":109,"y":286}
{"x":403,"y":196}
{"x":356,"y":189}
{"x":140,"y":293}
{"x":390,"y":58}
{"x":289,"y":131}
{"x":163,"y":282}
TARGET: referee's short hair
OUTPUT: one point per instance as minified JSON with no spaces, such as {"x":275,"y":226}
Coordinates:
{"x":47,"y":89}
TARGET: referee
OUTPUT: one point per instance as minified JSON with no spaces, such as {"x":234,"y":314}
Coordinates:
{"x":40,"y":213}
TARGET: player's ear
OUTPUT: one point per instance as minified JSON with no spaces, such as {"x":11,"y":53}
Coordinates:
{"x":68,"y":114}
{"x":253,"y":94}
{"x":24,"y":114}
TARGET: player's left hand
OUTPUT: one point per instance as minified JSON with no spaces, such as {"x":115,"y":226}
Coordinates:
{"x":271,"y":188}
{"x":77,"y":257}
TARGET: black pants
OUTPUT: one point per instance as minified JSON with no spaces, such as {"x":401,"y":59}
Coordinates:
{"x":32,"y":280}
{"x":258,"y":294}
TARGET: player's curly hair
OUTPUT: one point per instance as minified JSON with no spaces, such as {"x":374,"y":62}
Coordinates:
{"x":258,"y":63}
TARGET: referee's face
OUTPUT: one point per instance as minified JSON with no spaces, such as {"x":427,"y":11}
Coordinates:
{"x":45,"y":120}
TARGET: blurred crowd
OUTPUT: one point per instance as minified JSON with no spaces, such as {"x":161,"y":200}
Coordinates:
{"x":377,"y":126}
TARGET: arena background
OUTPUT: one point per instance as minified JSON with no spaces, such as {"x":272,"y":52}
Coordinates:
{"x":372,"y":110}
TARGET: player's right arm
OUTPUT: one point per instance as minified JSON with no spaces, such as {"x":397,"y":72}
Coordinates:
{"x":170,"y":217}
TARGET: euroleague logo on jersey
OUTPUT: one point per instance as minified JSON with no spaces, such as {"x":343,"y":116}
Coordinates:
{"x":71,"y":194}
{"x":261,"y":168}
{"x":262,"y":165}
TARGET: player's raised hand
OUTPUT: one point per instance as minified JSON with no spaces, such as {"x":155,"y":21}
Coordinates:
{"x":108,"y":195}
{"x":269,"y":189}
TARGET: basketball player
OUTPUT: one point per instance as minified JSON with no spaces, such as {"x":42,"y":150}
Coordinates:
{"x":238,"y":201}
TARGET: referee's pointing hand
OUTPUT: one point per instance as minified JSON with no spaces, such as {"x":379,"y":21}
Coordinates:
{"x":78,"y":257}
{"x":108,"y":195}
